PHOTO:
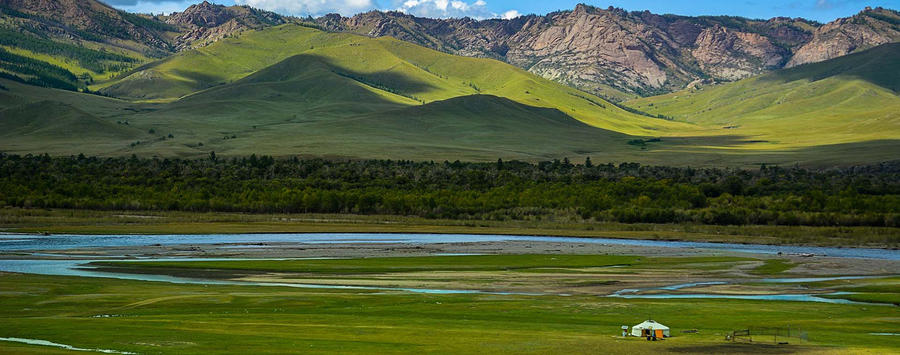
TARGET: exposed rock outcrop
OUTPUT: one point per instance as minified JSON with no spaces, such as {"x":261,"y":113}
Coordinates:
{"x":90,"y":20}
{"x":636,"y":52}
{"x":603,"y":51}
{"x":206,"y":23}
{"x":868,"y":29}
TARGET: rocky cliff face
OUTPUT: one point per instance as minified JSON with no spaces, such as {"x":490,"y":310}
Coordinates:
{"x":635,"y":52}
{"x":88,"y":20}
{"x":205,"y":23}
{"x":867,"y":29}
{"x":604,"y":51}
{"x":93,"y":21}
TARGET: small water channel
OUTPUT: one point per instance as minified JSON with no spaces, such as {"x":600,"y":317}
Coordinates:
{"x":83,"y":268}
{"x":61,"y":346}
{"x":68,"y":267}
{"x":24,"y":242}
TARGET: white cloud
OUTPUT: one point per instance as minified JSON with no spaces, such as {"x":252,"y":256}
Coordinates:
{"x":477,"y":9}
{"x":447,"y":8}
{"x":151,"y":6}
{"x":511,"y":14}
{"x":312,"y":7}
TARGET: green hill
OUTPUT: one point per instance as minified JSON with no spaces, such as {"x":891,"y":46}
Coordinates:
{"x":306,"y":104}
{"x":53,"y":123}
{"x":399,"y":71}
{"x":849,"y":99}
{"x":71,"y":44}
{"x":292,"y":90}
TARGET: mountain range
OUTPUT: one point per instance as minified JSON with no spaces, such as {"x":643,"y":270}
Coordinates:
{"x":608,"y":52}
{"x":238,"y":80}
{"x":635,"y":52}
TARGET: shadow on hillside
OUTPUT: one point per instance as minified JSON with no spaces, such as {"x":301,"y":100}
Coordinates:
{"x":723,"y":141}
{"x":878,"y":65}
{"x":718,"y":152}
{"x":302,"y":66}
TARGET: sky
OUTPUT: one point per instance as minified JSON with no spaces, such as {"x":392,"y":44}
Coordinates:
{"x":819,"y":10}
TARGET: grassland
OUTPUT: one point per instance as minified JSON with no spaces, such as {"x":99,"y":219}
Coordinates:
{"x":154,"y":222}
{"x":153,"y":317}
{"x":773,"y":266}
{"x":548,"y":274}
{"x":847,"y":99}
{"x":292,"y":90}
{"x":386,"y":66}
{"x":401,"y":264}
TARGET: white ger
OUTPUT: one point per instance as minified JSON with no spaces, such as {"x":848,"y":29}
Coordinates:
{"x":649,"y":328}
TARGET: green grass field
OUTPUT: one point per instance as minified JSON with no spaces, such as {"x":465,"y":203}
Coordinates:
{"x":292,"y":90}
{"x":549,"y":274}
{"x":402,"y":264}
{"x":847,"y":99}
{"x":150,"y":317}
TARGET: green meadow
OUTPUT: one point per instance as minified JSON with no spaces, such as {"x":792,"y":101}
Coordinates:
{"x":292,"y":90}
{"x":848,"y":99}
{"x":152,"y":317}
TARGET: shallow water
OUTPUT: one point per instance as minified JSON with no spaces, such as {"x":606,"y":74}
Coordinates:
{"x":80,"y":268}
{"x":778,"y":297}
{"x":24,"y":242}
{"x":21,"y":242}
{"x":63,"y":346}
{"x":815,"y":279}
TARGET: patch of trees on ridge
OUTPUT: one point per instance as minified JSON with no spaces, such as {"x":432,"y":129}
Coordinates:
{"x":627,"y":193}
{"x":35,"y":72}
{"x":96,"y":61}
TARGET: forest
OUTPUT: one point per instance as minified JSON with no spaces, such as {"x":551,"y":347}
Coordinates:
{"x":35,"y":72}
{"x":503,"y":190}
{"x":93,"y":60}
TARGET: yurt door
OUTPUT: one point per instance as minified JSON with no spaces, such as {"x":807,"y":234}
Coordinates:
{"x":659,"y":333}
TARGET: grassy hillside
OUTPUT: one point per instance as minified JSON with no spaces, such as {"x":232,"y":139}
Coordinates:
{"x":40,"y":120}
{"x":394,"y":68}
{"x":294,"y":90}
{"x":845,"y":100}
{"x":87,"y":40}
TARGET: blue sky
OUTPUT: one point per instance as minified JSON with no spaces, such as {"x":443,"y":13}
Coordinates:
{"x":820,"y":10}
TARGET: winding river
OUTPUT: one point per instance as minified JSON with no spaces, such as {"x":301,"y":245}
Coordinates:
{"x":21,"y":242}
{"x":33,"y":243}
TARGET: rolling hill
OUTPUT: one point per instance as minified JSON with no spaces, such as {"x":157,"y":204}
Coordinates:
{"x":616,"y":53}
{"x":397,"y":70}
{"x":295,"y":90}
{"x":849,"y":99}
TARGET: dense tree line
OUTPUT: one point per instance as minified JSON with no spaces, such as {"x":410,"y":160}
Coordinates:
{"x":36,"y":72}
{"x":628,"y":193}
{"x":93,"y":60}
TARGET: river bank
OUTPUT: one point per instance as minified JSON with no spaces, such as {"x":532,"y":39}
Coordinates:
{"x":16,"y":220}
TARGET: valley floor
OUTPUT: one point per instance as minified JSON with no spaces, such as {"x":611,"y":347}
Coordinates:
{"x":362,"y":295}
{"x":571,"y":310}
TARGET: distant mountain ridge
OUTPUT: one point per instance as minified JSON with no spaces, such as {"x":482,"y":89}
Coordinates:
{"x":92,"y":20}
{"x":610,"y":52}
{"x":205,"y":23}
{"x":854,"y":95}
{"x":604,"y":50}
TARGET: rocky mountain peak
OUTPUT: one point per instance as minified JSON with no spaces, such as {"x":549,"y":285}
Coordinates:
{"x":638,"y":52}
{"x":89,"y":20}
{"x":201,"y":15}
{"x":205,"y":23}
{"x":869,"y":28}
